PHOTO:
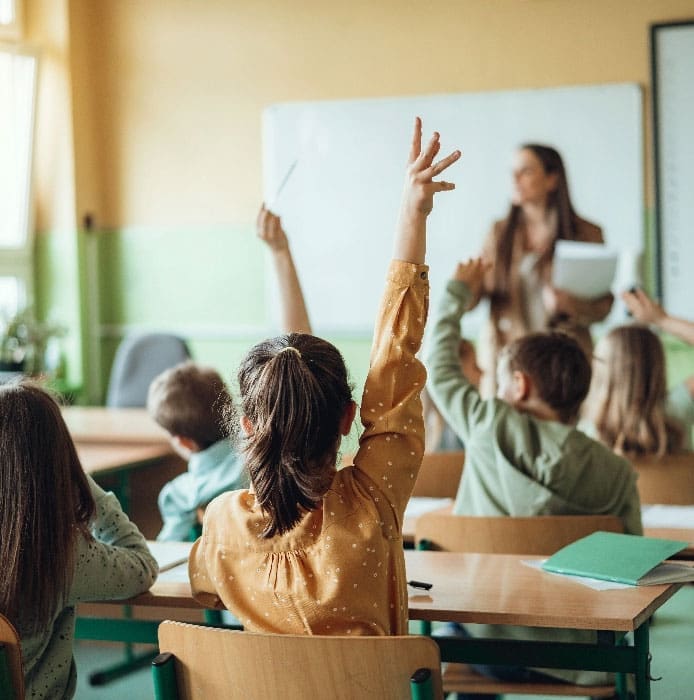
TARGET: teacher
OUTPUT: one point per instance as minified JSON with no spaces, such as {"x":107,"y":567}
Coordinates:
{"x":520,"y":250}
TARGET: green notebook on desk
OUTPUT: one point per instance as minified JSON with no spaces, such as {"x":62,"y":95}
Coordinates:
{"x":628,"y":559}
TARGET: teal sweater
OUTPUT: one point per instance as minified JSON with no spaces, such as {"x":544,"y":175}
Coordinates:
{"x":519,"y":465}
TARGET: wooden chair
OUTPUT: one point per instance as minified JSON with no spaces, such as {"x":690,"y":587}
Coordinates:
{"x":11,"y":671}
{"x":202,"y":662}
{"x":669,"y":480}
{"x":438,"y":476}
{"x":536,"y":535}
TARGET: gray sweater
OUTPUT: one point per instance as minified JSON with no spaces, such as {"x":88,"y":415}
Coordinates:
{"x":115,"y":564}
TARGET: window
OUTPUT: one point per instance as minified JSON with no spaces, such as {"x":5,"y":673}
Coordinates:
{"x":10,"y":19}
{"x":18,"y":96}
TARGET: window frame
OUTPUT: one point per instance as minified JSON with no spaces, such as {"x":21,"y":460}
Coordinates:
{"x":14,"y":30}
{"x":18,"y":261}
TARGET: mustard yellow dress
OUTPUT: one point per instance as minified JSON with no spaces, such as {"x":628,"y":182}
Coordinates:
{"x":341,"y":570}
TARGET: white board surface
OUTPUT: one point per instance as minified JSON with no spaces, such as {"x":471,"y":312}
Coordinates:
{"x":340,"y":203}
{"x":674,"y":95}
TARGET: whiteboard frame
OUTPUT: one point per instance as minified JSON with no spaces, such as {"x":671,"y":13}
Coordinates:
{"x":657,"y":32}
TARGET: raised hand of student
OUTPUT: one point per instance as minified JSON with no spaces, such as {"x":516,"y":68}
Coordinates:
{"x":269,"y":229}
{"x":471,"y":272}
{"x":642,"y":307}
{"x":646,"y":310}
{"x":294,"y":313}
{"x":418,"y":194}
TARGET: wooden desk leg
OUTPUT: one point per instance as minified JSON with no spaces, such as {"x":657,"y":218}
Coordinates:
{"x":643,"y":654}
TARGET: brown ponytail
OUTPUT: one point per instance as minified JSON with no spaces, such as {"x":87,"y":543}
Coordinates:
{"x":294,"y":391}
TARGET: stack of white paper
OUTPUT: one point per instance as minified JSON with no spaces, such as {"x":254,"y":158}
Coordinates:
{"x":583,"y":269}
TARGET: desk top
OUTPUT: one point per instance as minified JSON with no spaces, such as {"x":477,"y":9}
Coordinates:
{"x":487,"y":588}
{"x":102,"y":458}
{"x":500,"y":589}
{"x":96,"y":424}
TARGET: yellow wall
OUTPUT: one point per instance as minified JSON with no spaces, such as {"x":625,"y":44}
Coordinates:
{"x":150,"y":120}
{"x":169,"y":93}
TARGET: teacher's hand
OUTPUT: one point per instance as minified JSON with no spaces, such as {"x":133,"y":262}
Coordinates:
{"x":558,"y":302}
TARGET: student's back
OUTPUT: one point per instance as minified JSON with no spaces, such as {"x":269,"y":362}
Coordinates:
{"x":309,"y":549}
{"x":523,"y":456}
{"x":64,"y":539}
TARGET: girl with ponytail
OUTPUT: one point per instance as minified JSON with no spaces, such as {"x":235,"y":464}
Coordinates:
{"x":309,"y":548}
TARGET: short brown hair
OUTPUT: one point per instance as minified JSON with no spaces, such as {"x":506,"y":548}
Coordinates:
{"x":558,"y":367}
{"x":190,"y":400}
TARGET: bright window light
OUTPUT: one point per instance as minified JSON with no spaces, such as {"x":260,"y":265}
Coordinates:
{"x":8,"y":13}
{"x":17,"y":81}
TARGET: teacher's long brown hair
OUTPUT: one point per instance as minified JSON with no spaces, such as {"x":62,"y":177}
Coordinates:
{"x":558,"y":201}
{"x":45,"y":503}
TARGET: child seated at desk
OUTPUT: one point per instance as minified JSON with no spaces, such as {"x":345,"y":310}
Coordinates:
{"x":309,"y":549}
{"x":190,"y":402}
{"x":523,"y":453}
{"x":64,"y":539}
{"x":628,"y":407}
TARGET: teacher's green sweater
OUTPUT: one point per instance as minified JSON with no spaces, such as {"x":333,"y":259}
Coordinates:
{"x":519,"y":465}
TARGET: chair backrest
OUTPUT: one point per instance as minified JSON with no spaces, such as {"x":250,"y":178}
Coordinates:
{"x":668,"y":480}
{"x":140,"y":358}
{"x":11,"y":671}
{"x":537,"y":535}
{"x":439,"y":475}
{"x":221,"y":663}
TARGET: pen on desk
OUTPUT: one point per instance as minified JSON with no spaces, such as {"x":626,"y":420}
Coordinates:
{"x":420,"y":584}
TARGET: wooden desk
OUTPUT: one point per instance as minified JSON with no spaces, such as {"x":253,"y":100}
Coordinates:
{"x":486,"y":588}
{"x":118,"y":445}
{"x":105,"y":458}
{"x":96,"y":424}
{"x":685,"y":534}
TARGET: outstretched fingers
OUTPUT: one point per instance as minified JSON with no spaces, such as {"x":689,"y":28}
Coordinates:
{"x":438,"y":167}
{"x":416,"y":147}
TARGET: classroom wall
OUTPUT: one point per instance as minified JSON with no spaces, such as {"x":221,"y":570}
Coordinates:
{"x":57,"y":260}
{"x":167,"y":97}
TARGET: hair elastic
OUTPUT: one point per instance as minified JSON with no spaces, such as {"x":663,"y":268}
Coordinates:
{"x":292,"y":348}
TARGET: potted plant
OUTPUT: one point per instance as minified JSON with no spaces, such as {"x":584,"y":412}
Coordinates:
{"x":23,"y":342}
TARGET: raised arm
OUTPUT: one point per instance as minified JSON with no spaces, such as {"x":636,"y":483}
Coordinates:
{"x":392,"y":444}
{"x":294,"y":314}
{"x":418,"y":195}
{"x":646,"y":310}
{"x":456,"y":398}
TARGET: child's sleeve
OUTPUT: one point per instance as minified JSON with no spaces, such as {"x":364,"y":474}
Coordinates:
{"x":392,"y":444}
{"x":178,"y":508}
{"x":457,"y":399}
{"x":115,"y":562}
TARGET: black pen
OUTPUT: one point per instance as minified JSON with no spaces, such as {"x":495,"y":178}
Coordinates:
{"x":420,"y":584}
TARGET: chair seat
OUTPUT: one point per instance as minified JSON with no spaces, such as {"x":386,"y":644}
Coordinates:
{"x":461,"y":678}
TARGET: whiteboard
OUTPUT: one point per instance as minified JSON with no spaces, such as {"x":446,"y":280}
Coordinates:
{"x":673,"y":94}
{"x":347,"y":158}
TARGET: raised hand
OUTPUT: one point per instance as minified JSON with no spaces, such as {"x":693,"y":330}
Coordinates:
{"x":420,"y":185}
{"x":642,"y":307}
{"x":471,"y":272}
{"x":269,"y":229}
{"x":418,"y":194}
